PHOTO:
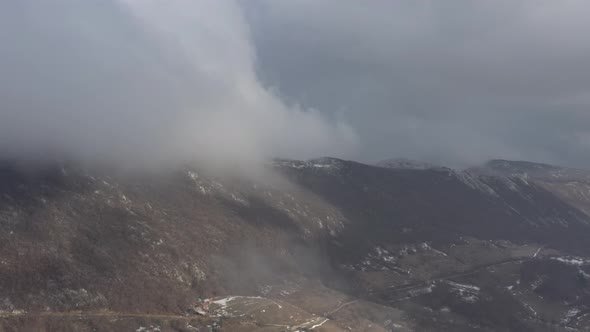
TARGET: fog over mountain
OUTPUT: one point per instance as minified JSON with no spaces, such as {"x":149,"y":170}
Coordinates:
{"x":294,"y":165}
{"x":451,"y":83}
{"x":144,"y":82}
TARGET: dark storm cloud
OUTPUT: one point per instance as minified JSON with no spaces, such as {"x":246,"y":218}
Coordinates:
{"x":453,"y":81}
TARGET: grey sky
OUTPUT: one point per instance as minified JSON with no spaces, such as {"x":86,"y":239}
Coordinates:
{"x":453,"y":81}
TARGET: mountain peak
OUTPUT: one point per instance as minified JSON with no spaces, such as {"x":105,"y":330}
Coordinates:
{"x":404,"y":163}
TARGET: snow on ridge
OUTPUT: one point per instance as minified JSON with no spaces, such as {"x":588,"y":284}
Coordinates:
{"x":577,"y":261}
{"x":403,"y":163}
{"x":319,"y":163}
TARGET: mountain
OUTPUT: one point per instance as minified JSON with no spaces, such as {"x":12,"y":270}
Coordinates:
{"x":403,"y":163}
{"x":318,"y":245}
{"x":570,"y":184}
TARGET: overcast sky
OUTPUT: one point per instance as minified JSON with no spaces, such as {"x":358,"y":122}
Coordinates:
{"x":452,"y":82}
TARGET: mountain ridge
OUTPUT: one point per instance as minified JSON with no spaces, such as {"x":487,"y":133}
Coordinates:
{"x":398,"y":243}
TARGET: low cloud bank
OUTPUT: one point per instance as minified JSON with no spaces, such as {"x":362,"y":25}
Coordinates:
{"x":145,"y":82}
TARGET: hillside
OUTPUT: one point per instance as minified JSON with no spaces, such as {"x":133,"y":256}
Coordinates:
{"x":322,"y":245}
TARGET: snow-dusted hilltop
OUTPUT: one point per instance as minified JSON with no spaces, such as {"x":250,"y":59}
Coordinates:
{"x":403,"y":163}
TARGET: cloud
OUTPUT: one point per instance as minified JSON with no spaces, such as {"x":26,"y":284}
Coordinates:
{"x":145,"y":81}
{"x":452,"y":81}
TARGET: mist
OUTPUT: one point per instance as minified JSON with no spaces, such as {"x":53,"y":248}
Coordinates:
{"x":146,"y":82}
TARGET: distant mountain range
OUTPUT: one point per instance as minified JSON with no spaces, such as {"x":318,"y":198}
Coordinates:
{"x":318,"y":245}
{"x":403,"y":163}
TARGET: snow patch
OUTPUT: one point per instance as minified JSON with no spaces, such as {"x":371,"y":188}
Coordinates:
{"x":426,"y":246}
{"x":537,"y":252}
{"x":320,"y":324}
{"x":151,"y":328}
{"x":469,"y":293}
{"x":475,"y":183}
{"x":571,"y":260}
{"x":420,"y":291}
{"x":531,"y":309}
{"x":569,"y":315}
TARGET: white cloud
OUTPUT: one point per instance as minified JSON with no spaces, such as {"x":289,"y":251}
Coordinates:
{"x":145,"y":81}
